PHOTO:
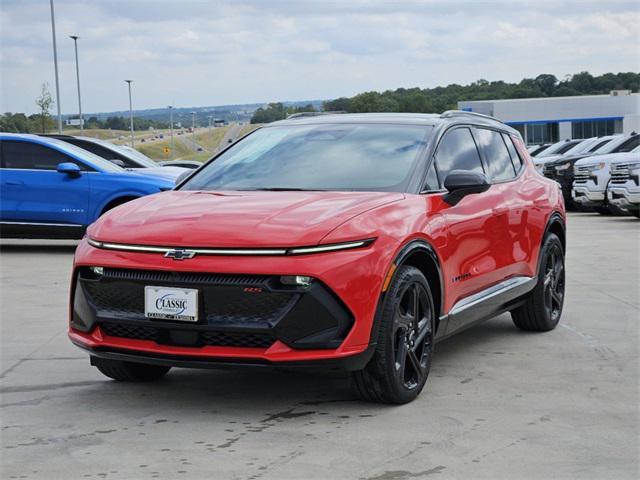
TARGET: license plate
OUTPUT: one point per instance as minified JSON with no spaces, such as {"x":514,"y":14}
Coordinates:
{"x":171,"y":303}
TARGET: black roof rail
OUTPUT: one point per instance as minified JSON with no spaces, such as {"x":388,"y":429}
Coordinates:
{"x":463,"y":113}
{"x":312,"y":114}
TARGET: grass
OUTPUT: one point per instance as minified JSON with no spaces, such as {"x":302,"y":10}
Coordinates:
{"x":183,"y":147}
{"x":97,"y":133}
{"x":250,"y":127}
{"x":155,"y":150}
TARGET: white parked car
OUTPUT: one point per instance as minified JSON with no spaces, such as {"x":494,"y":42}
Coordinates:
{"x":554,"y":152}
{"x":624,"y":187}
{"x":591,"y":179}
{"x":585,"y":146}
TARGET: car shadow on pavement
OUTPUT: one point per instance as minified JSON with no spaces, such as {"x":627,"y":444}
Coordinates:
{"x":268,"y":390}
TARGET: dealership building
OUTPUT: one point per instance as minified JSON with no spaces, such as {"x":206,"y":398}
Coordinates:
{"x":550,"y":119}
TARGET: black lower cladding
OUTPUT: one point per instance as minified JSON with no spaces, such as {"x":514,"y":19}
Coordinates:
{"x":233,"y":310}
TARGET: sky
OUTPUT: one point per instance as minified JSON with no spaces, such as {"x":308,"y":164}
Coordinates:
{"x":200,"y":53}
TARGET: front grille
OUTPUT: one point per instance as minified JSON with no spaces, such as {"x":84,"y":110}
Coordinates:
{"x":184,"y":277}
{"x":168,"y":336}
{"x":582,"y":176}
{"x":251,"y":311}
{"x":620,"y":174}
{"x":224,"y":299}
{"x":130,"y":331}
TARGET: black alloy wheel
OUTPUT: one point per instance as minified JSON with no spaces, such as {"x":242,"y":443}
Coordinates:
{"x":554,"y":282}
{"x":413,"y":335}
{"x":399,"y":368}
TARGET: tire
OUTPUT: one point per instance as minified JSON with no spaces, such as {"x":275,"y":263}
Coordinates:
{"x":129,"y":371}
{"x":636,"y":213}
{"x":542,"y":309}
{"x":400,"y":365}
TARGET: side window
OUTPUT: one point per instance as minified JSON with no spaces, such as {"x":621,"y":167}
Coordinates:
{"x":513,"y":152}
{"x":431,"y":183}
{"x":457,"y":151}
{"x":496,"y":155}
{"x":104,"y":152}
{"x":31,"y":156}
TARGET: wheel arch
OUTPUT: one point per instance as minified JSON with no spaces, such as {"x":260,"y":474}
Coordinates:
{"x":421,"y":255}
{"x":115,"y":201}
{"x":556,"y":225}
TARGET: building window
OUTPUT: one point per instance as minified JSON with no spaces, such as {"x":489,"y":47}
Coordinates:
{"x":595,"y":128}
{"x":537,"y":133}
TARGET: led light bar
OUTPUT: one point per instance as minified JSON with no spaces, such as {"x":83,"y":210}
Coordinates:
{"x":231,"y":251}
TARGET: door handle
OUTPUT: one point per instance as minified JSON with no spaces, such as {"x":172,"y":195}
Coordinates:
{"x":14,"y":182}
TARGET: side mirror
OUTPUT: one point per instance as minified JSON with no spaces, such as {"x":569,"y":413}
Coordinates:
{"x":68,"y":168}
{"x":117,"y":162}
{"x":460,"y":183}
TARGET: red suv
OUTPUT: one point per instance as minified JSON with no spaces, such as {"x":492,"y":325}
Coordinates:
{"x":339,"y":241}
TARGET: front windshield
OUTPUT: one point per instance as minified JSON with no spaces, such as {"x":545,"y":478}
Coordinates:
{"x":558,"y":148}
{"x":581,"y":147}
{"x":370,"y":157}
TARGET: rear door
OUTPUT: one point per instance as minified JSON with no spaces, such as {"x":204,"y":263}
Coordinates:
{"x":34,"y":192}
{"x":509,"y":237}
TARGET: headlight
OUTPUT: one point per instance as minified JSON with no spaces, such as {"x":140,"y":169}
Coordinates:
{"x":634,"y":166}
{"x":589,"y":168}
{"x":564,"y":166}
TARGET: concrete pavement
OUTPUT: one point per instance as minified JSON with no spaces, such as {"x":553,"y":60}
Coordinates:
{"x":499,"y":404}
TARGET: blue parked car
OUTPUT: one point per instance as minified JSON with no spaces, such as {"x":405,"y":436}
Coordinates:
{"x":52,"y":189}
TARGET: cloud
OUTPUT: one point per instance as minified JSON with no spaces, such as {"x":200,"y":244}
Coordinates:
{"x":203,"y":53}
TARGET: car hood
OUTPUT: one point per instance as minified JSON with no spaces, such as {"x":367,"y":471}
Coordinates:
{"x":171,"y":173}
{"x":605,"y":158}
{"x":234,"y":219}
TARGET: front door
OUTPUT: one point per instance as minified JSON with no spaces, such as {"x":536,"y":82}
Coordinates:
{"x":33,"y":191}
{"x":476,"y":234}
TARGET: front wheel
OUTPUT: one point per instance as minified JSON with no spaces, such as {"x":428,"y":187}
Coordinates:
{"x":399,"y":368}
{"x":543,"y":306}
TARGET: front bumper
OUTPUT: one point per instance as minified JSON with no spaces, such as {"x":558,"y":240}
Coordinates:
{"x":584,"y":196}
{"x":623,"y":197}
{"x":243,"y":318}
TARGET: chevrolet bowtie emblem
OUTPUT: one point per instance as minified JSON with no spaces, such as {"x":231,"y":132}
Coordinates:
{"x":180,"y":254}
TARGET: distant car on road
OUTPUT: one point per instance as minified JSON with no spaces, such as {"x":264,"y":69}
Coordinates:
{"x":121,"y":155}
{"x":53,"y":189}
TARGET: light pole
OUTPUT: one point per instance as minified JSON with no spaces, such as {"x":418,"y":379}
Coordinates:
{"x":75,"y":46}
{"x":210,"y":132}
{"x":130,"y":111}
{"x":170,"y":107}
{"x":193,"y":129}
{"x":55,"y":66}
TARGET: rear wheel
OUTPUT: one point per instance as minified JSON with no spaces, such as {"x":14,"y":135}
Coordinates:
{"x":543,"y":306}
{"x":129,"y":371}
{"x":399,"y":368}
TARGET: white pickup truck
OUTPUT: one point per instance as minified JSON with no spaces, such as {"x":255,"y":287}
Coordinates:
{"x":591,"y":178}
{"x":624,"y":188}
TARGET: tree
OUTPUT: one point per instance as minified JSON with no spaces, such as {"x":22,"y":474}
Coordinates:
{"x":44,"y":102}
